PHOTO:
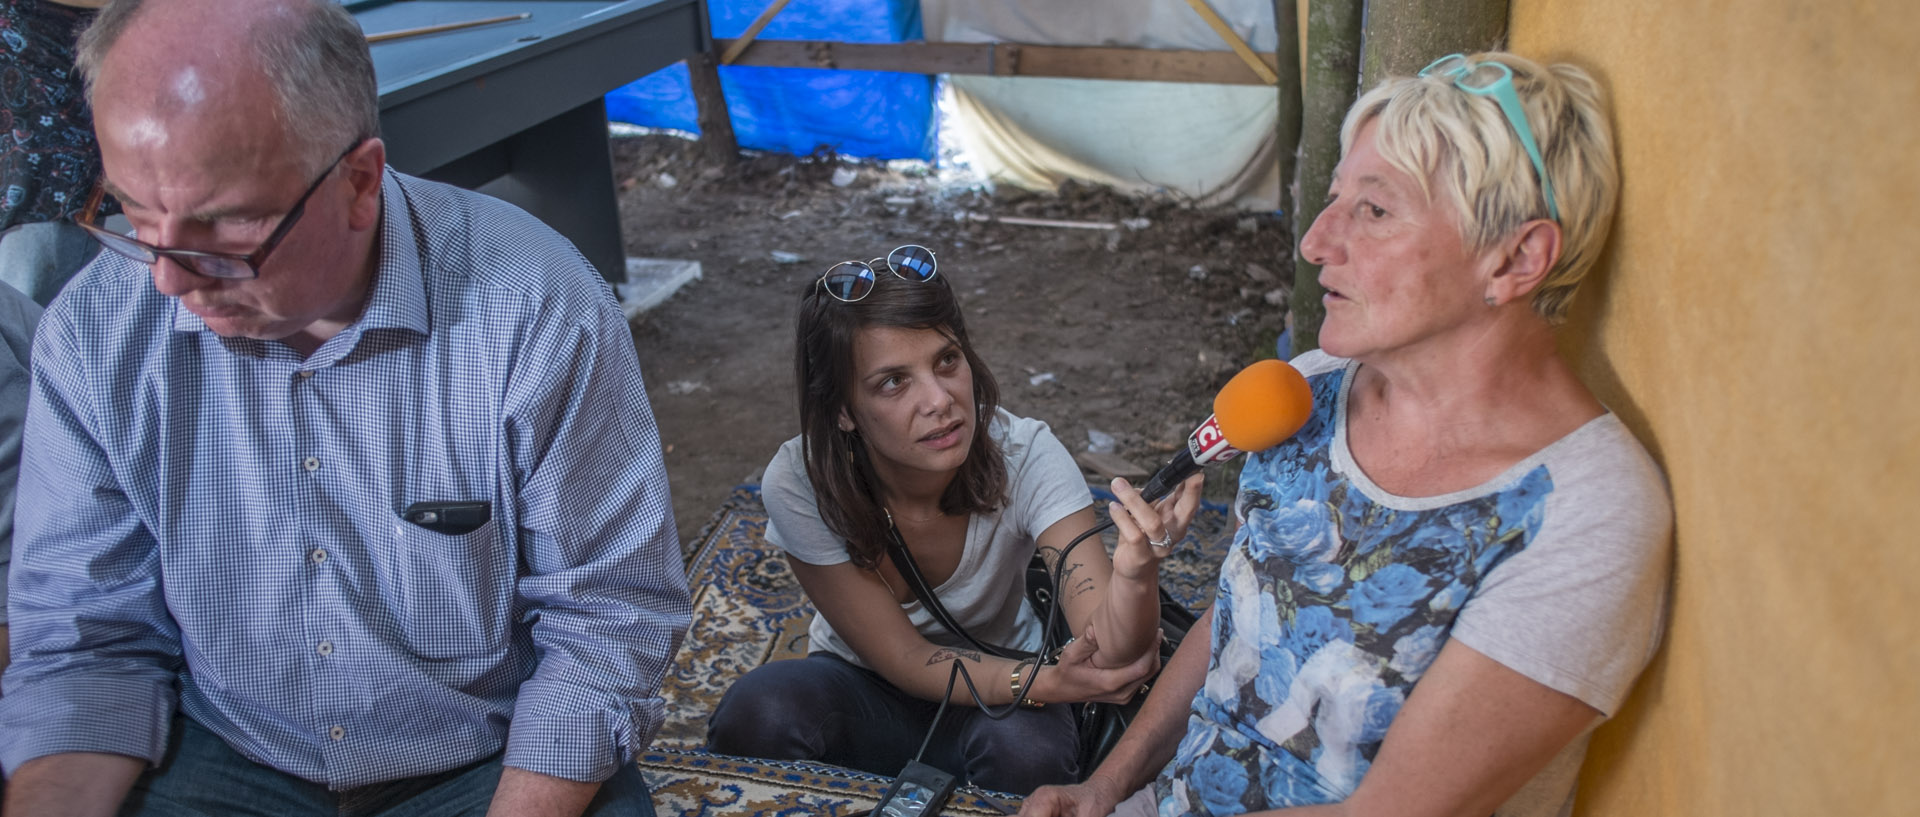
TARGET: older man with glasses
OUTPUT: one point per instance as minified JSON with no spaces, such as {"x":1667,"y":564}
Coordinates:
{"x":341,"y":493}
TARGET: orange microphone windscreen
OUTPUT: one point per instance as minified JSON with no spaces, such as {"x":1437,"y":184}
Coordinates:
{"x":1262,"y":405}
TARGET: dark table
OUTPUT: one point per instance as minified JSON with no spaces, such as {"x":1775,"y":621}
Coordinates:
{"x":517,"y":107}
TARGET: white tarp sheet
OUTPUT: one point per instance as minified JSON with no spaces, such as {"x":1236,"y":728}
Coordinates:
{"x":1212,"y":143}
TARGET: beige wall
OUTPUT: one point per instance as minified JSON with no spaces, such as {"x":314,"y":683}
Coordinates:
{"x":1756,"y":321}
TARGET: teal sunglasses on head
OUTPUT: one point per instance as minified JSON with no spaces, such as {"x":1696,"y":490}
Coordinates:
{"x":1494,"y":79}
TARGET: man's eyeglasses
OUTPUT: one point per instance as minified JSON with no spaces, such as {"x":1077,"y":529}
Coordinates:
{"x":209,"y":264}
{"x":850,"y":281}
{"x":1495,"y":79}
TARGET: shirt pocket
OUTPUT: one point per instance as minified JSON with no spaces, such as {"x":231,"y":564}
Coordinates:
{"x":453,"y":594}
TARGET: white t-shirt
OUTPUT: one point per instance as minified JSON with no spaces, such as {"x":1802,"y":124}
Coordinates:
{"x":987,"y":592}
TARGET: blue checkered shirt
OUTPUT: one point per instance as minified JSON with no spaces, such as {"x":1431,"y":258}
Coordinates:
{"x":216,"y":522}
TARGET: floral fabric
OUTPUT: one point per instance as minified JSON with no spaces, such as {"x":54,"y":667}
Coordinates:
{"x":48,"y":161}
{"x":1330,"y":607}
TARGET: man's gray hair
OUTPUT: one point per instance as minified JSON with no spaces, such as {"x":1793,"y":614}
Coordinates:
{"x":318,"y":66}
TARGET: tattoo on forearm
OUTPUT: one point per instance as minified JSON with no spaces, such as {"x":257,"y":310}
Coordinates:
{"x":1075,"y":588}
{"x":1049,"y":556}
{"x":949,"y":654}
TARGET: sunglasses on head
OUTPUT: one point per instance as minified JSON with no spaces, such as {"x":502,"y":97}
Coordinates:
{"x":850,"y":281}
{"x":1495,"y":79}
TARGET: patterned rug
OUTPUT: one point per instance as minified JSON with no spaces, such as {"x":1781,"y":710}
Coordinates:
{"x":695,"y":783}
{"x":748,"y":609}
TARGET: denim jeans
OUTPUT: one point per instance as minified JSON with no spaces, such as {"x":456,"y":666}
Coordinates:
{"x":204,"y":777}
{"x":39,"y":258}
{"x":824,"y":709}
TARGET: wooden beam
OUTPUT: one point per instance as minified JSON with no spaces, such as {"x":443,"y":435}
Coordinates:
{"x":732,"y":52}
{"x":1260,"y":67}
{"x":1004,"y":60}
{"x":909,"y":58}
{"x":1141,"y":64}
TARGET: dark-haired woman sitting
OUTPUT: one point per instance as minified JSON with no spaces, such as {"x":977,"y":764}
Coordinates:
{"x":901,"y":425}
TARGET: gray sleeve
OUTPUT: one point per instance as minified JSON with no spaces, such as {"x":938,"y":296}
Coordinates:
{"x":793,"y":514}
{"x":18,"y":315}
{"x":1045,"y":482}
{"x":1581,"y":609}
{"x":1314,"y":362}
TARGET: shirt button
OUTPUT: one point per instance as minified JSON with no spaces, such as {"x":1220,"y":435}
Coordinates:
{"x":304,"y":374}
{"x":311,"y":463}
{"x":319,"y":555}
{"x":337,"y":732}
{"x":326,"y":649}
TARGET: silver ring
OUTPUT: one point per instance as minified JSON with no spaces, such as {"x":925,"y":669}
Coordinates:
{"x":1165,"y":541}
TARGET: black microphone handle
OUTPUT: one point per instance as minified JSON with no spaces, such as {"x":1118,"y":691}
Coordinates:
{"x":1170,"y":475}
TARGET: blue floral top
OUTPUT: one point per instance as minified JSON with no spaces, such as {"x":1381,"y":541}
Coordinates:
{"x":1330,"y":606}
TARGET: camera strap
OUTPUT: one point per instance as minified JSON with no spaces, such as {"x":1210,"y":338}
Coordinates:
{"x":910,"y":570}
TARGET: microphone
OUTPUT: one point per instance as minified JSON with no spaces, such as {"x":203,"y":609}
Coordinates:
{"x":1262,"y":405}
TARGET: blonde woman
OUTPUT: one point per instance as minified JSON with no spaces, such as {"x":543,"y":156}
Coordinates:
{"x":1457,"y":567}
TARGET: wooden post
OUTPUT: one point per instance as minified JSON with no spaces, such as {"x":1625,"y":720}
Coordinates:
{"x":716,"y":125}
{"x":1286,"y":53}
{"x":1403,"y":36}
{"x":1333,"y":71}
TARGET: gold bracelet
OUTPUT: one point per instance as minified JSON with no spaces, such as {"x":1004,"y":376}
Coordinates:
{"x":1013,"y":683}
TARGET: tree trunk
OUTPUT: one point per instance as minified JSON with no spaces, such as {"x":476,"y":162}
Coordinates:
{"x":1333,"y":69}
{"x":1404,"y":36}
{"x":716,"y":125}
{"x":1286,"y":52}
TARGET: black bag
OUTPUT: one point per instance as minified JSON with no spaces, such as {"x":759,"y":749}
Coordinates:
{"x":1100,"y":724}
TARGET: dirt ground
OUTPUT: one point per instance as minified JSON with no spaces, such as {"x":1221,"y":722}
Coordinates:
{"x":1127,"y":332}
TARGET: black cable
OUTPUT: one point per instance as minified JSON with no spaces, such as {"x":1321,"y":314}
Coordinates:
{"x":941,"y":711}
{"x":1046,"y":646}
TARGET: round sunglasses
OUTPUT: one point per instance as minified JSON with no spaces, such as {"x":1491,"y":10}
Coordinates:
{"x":850,"y":281}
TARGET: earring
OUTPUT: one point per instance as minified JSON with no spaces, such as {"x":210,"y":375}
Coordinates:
{"x":1491,"y":301}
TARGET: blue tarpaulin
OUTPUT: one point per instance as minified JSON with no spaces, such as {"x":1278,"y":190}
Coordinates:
{"x":797,"y":110}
